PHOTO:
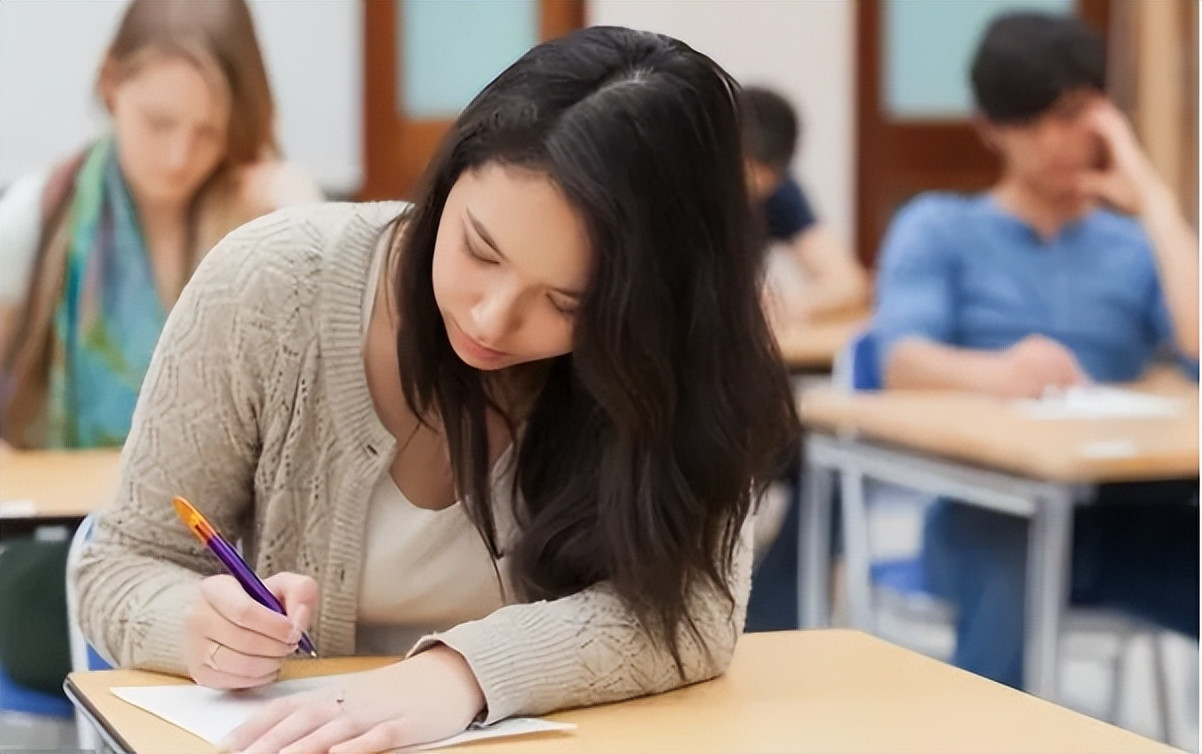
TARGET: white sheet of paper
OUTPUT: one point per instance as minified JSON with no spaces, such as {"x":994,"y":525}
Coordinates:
{"x":1108,"y":449}
{"x":211,"y":714}
{"x":17,"y":508}
{"x":1101,"y":402}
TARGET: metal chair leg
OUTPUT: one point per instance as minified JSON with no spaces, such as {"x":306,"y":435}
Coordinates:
{"x":1164,"y":698}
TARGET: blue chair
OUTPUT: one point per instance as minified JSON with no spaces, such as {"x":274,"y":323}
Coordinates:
{"x":899,"y":582}
{"x":48,"y":708}
{"x":891,"y":597}
{"x":17,"y":698}
{"x":856,"y":365}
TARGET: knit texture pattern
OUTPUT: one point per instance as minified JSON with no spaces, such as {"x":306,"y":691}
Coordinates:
{"x":256,"y":409}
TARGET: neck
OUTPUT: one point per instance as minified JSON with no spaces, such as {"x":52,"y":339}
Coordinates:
{"x":516,"y":388}
{"x":165,"y":231}
{"x":1047,"y":214}
{"x":159,"y":213}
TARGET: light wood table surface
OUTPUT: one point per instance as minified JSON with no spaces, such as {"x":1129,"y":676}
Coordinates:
{"x":796,"y":691}
{"x":992,"y":432}
{"x":45,"y":484}
{"x":812,"y":346}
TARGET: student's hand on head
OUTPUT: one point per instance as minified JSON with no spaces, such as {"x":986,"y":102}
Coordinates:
{"x":429,"y":696}
{"x":1127,"y":175}
{"x":1037,"y":363}
{"x":232,"y":642}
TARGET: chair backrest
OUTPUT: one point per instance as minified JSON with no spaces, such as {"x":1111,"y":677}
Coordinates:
{"x":83,"y":656}
{"x":856,"y":366}
{"x":79,"y":646}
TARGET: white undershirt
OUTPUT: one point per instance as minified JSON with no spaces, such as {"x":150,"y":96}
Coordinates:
{"x":423,"y":570}
{"x":20,"y":229}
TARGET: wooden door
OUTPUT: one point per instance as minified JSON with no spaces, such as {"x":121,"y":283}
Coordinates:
{"x":399,"y":139}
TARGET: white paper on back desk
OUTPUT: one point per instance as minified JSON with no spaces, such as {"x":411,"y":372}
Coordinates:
{"x":211,"y":714}
{"x":1101,"y":402}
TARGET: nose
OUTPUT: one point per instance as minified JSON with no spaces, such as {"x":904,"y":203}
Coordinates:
{"x":496,"y":314}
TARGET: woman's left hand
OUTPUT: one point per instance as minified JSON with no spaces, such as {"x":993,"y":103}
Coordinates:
{"x":429,"y":696}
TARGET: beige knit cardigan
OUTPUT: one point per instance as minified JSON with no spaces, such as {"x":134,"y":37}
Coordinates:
{"x":256,"y":408}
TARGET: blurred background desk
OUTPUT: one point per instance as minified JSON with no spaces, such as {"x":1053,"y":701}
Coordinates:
{"x":54,"y":486}
{"x":811,"y":346}
{"x":985,"y":451}
{"x":799,"y":691}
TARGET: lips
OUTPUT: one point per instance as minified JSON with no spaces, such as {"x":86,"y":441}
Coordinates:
{"x":475,"y":348}
{"x":483,"y":349}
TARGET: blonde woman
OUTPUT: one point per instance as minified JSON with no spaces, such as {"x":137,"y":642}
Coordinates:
{"x":97,"y":249}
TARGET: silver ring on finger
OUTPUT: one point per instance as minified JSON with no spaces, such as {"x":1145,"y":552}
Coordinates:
{"x":212,"y":660}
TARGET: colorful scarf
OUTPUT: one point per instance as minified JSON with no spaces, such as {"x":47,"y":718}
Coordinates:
{"x":109,"y":317}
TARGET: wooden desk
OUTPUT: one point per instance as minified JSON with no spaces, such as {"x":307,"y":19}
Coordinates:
{"x":56,"y":483}
{"x":984,"y":451}
{"x":812,"y":346}
{"x":797,"y":691}
{"x":989,"y":431}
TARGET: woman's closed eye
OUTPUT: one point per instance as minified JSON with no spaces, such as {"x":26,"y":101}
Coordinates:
{"x":482,"y":258}
{"x":563,"y":309}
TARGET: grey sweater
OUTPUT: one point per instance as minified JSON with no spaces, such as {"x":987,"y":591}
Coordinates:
{"x":256,"y":408}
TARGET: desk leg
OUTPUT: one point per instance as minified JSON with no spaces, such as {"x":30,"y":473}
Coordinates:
{"x":1049,"y":567}
{"x":857,"y":549}
{"x":814,"y":549}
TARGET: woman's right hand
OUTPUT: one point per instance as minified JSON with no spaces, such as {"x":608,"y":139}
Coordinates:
{"x":232,"y":642}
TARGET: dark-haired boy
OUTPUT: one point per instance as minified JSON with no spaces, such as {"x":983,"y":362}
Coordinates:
{"x":1037,"y":284}
{"x":833,"y":279}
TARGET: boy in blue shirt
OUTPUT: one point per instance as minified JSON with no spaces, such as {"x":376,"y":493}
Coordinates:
{"x":1039,"y":283}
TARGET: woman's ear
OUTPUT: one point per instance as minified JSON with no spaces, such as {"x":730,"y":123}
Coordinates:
{"x":107,"y":83}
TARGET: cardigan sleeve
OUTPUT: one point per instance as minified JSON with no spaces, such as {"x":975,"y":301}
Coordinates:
{"x":587,"y":648}
{"x":194,"y":433}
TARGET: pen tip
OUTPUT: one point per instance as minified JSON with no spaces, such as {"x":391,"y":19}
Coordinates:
{"x":313,"y":654}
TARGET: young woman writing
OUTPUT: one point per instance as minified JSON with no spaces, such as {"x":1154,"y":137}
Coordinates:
{"x":522,"y":421}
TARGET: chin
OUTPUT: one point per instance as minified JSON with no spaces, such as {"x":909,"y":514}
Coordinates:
{"x":1060,"y":191}
{"x":163,"y":193}
{"x":483,"y":366}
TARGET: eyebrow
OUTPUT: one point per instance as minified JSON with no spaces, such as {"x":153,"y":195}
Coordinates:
{"x":484,"y":236}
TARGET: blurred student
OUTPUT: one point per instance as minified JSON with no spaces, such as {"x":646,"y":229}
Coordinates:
{"x":814,"y":277}
{"x":521,"y":421}
{"x":832,"y":281}
{"x":95,"y":251}
{"x":1076,"y":267}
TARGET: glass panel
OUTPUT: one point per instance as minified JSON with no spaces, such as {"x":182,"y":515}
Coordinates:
{"x":451,"y":48}
{"x":928,"y":50}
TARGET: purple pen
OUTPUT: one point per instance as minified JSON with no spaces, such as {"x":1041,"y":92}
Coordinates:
{"x":234,"y":563}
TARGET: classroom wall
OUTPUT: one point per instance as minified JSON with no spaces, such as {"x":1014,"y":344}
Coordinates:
{"x":50,"y":50}
{"x":802,"y":48}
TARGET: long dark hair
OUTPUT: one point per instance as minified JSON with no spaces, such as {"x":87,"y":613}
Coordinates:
{"x":647,"y":444}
